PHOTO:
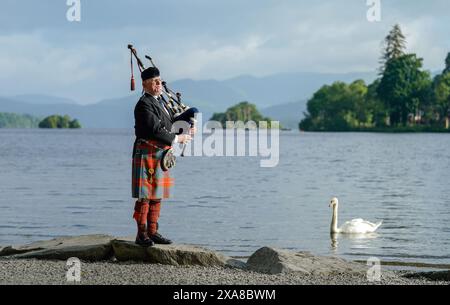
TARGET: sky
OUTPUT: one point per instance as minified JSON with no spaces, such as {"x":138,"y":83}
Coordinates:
{"x":42,"y":52}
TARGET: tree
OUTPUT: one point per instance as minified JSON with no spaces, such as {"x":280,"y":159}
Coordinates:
{"x":74,"y":124}
{"x":403,"y":87}
{"x":244,"y":111}
{"x":447,"y":64}
{"x":338,"y":107}
{"x":63,"y":122}
{"x":49,"y":122}
{"x":394,"y":46}
{"x":441,"y":93}
{"x":57,"y":121}
{"x":357,"y":95}
{"x":326,"y":109}
{"x":404,"y":94}
{"x":14,"y":120}
{"x":375,"y":106}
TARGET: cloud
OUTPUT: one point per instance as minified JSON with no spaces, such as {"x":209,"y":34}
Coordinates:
{"x":201,"y":40}
{"x":422,"y":36}
{"x":29,"y":64}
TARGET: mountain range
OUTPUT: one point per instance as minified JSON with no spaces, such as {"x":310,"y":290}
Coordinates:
{"x":279,"y":96}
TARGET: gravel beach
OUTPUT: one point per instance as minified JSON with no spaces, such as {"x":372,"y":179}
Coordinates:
{"x":32,"y":271}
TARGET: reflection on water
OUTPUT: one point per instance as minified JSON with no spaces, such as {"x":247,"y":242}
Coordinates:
{"x":334,"y":242}
{"x":356,"y":241}
{"x":69,"y":182}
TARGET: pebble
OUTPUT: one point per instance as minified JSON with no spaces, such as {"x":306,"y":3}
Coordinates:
{"x":32,"y":271}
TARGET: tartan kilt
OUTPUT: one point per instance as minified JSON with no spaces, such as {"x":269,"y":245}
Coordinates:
{"x":149,"y":181}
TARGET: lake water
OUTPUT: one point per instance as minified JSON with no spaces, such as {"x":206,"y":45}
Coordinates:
{"x":70,"y":182}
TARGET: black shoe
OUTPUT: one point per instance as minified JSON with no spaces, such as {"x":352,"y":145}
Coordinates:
{"x":144,"y":241}
{"x":158,"y":239}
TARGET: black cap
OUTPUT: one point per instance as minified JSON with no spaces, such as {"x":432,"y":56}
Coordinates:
{"x":149,"y":73}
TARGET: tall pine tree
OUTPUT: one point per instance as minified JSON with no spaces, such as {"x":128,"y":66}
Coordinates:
{"x":393,"y":47}
{"x":447,"y":64}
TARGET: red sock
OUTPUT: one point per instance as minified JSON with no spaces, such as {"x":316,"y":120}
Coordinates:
{"x":140,"y":214}
{"x":153,"y":216}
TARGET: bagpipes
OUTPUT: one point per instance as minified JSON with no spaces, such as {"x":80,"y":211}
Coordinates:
{"x":172,"y":101}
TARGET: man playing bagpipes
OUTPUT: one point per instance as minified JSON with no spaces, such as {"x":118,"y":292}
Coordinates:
{"x":152,"y":153}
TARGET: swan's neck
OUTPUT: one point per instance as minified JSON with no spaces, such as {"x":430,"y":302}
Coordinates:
{"x":334,"y":220}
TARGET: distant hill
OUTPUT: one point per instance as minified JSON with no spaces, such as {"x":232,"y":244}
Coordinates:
{"x":277,"y":96}
{"x":208,"y":95}
{"x":284,"y":90}
{"x":288,"y":114}
{"x":287,"y":87}
{"x":42,"y":99}
{"x":117,"y":113}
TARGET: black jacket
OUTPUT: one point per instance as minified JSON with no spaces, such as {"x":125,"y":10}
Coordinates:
{"x":152,"y":122}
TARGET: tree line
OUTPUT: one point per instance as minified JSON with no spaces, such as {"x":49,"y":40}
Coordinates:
{"x":404,"y":96}
{"x":14,"y":120}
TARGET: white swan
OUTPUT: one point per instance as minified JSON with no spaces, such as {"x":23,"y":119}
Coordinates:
{"x":353,"y":226}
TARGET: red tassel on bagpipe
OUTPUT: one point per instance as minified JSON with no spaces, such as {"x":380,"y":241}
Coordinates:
{"x":133,"y":84}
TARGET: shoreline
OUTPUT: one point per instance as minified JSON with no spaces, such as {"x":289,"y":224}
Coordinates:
{"x":369,"y":130}
{"x":104,"y":260}
{"x":416,"y":266}
{"x":53,"y":272}
{"x":411,"y":266}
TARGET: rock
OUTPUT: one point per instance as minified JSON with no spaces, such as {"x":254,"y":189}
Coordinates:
{"x":38,"y":245}
{"x":126,"y":250}
{"x":101,"y":247}
{"x":432,"y":275}
{"x":273,"y":261}
{"x":235,"y":263}
{"x":85,"y":247}
{"x":175,"y":254}
{"x":184,"y":255}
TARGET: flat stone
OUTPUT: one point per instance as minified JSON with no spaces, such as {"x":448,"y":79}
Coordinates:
{"x":274,"y":261}
{"x":185,"y":255}
{"x":38,"y":245}
{"x":85,"y":247}
{"x":126,"y":250}
{"x":101,"y":247}
{"x":174,"y":254}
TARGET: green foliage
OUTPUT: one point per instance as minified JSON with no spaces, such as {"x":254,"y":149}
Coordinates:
{"x":243,"y":112}
{"x":338,"y":107}
{"x":74,"y":124}
{"x":404,"y":87}
{"x":375,"y":106}
{"x":394,"y":46}
{"x":441,"y":95}
{"x":14,"y":120}
{"x":404,"y":98}
{"x":57,"y":121}
{"x":447,"y":64}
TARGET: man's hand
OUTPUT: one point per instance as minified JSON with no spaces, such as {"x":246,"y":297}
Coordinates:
{"x":184,"y":138}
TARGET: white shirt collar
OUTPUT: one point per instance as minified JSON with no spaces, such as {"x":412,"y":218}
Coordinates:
{"x":154,"y":96}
